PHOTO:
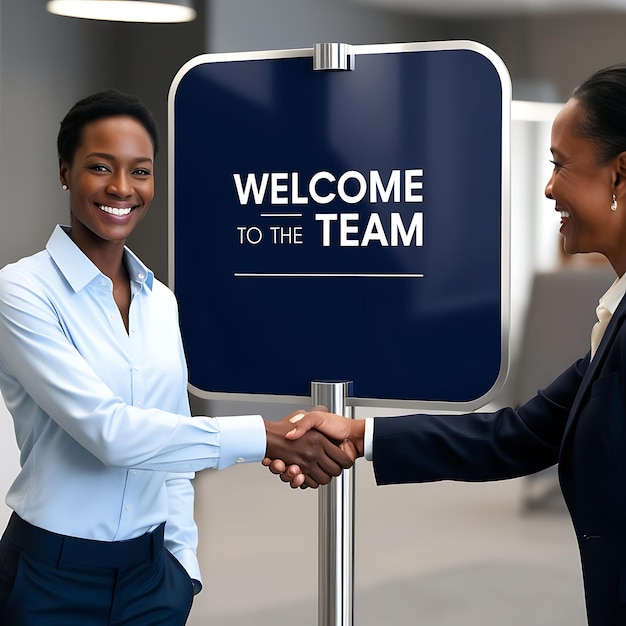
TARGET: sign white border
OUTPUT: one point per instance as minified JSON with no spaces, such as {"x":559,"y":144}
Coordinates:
{"x":357,"y":50}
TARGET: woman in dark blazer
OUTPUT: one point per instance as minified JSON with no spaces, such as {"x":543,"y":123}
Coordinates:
{"x":579,"y":420}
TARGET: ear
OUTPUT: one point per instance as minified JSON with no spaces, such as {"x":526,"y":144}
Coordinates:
{"x":620,"y":174}
{"x":63,"y":172}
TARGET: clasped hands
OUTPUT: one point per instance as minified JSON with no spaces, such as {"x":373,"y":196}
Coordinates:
{"x":308,"y":448}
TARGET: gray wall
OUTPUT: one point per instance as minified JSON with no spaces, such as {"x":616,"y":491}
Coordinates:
{"x":277,"y":24}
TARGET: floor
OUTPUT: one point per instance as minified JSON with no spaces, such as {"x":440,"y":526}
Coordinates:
{"x":441,"y":554}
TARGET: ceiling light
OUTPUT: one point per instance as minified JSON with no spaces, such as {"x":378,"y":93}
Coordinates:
{"x":165,"y":11}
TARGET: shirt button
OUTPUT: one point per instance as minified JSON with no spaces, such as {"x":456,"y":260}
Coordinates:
{"x":137,"y":368}
{"x":134,"y":472}
{"x":141,"y":276}
{"x":240,"y":459}
{"x":129,"y":507}
{"x":139,"y":403}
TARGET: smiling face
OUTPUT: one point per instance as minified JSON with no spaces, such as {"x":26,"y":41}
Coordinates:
{"x":110,"y":181}
{"x":582,"y":188}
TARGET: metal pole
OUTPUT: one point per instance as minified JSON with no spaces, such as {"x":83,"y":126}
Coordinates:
{"x":335,"y":525}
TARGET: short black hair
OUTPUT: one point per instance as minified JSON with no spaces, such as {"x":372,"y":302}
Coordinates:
{"x":108,"y":103}
{"x":603,"y":97}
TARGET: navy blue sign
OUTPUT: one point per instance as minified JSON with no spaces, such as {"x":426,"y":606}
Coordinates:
{"x":343,"y":225}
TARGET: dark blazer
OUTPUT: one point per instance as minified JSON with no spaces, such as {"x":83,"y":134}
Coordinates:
{"x":578,"y":421}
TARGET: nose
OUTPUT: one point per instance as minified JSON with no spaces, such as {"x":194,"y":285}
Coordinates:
{"x":548,"y":190}
{"x":120,"y":185}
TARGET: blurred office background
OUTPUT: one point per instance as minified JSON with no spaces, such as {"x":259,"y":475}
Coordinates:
{"x":440,"y":554}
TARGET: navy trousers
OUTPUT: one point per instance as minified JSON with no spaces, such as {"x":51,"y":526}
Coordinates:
{"x":48,"y":579}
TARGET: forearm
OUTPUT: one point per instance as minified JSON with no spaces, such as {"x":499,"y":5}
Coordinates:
{"x":477,"y":446}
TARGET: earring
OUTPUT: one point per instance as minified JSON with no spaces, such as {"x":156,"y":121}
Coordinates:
{"x":614,"y":204}
{"x":64,"y":187}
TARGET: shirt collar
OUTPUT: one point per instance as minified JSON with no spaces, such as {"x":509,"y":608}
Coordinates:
{"x":79,"y":271}
{"x":611,"y":299}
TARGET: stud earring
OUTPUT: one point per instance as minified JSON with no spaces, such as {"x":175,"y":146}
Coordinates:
{"x":64,"y":187}
{"x":614,"y":204}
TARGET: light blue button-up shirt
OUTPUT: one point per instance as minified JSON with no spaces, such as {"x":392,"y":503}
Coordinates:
{"x":107,"y":445}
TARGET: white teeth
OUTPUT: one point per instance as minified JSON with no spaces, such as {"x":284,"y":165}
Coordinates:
{"x":114,"y":211}
{"x":564,"y":213}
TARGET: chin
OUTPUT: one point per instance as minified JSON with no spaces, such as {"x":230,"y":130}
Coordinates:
{"x":571,"y":246}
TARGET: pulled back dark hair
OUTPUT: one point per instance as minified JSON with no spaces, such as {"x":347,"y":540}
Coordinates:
{"x":603,"y":96}
{"x":108,"y":103}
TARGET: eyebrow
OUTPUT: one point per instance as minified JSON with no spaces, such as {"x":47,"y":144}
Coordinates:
{"x":106,"y":155}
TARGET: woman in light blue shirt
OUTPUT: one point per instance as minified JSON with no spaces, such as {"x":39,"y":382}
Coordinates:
{"x":93,"y":372}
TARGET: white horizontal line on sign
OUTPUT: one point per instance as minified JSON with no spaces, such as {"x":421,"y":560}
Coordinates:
{"x":281,"y":214}
{"x":323,"y":275}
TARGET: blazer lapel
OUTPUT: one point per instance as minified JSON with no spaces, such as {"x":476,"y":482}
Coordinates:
{"x":590,"y":374}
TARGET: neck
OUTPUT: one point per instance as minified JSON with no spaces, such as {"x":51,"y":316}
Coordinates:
{"x":107,"y":256}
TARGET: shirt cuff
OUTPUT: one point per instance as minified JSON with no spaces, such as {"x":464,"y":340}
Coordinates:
{"x":368,"y":439}
{"x":188,"y":559}
{"x":242,"y":439}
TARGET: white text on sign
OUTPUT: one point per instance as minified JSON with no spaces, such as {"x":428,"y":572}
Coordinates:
{"x":343,"y":229}
{"x":351,"y":187}
{"x":349,"y":232}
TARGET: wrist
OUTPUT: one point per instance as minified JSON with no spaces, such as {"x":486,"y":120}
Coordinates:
{"x":273,"y":436}
{"x":357,"y":435}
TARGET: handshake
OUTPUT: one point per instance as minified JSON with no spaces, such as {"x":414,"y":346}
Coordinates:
{"x":306,"y":449}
